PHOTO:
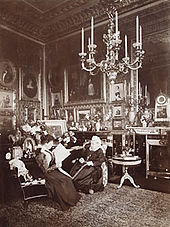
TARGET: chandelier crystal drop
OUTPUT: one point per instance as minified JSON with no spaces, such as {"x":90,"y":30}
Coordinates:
{"x":111,"y":65}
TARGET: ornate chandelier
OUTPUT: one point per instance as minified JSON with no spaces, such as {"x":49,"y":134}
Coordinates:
{"x":112,"y":65}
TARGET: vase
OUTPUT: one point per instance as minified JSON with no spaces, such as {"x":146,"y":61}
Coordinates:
{"x":98,"y":126}
{"x":132,"y":115}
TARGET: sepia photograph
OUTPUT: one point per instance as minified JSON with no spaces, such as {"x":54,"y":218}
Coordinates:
{"x":84,"y":113}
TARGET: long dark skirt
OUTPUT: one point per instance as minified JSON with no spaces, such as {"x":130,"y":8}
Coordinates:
{"x":89,"y":177}
{"x":61,"y":188}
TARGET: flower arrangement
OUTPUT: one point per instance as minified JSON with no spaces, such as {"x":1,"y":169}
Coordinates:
{"x":68,"y":139}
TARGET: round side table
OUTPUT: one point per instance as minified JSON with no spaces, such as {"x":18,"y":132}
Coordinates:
{"x":126,"y":162}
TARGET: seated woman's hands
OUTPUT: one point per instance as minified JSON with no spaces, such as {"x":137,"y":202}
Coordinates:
{"x":81,"y":160}
{"x":90,"y":163}
{"x":58,"y":164}
{"x":51,"y":168}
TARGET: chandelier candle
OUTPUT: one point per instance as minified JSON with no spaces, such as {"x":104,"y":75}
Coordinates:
{"x":141,"y":37}
{"x":125,"y":46}
{"x":116,"y":22}
{"x":89,"y":49}
{"x":82,"y":41}
{"x":92,"y":31}
{"x":137,"y":29}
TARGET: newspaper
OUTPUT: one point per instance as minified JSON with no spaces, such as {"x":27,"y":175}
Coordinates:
{"x":60,"y":153}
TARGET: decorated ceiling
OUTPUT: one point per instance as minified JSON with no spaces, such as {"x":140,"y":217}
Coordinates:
{"x":48,"y":20}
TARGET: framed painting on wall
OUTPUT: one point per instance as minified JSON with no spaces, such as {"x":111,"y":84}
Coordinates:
{"x":29,"y":87}
{"x":71,"y":115}
{"x":116,"y":92}
{"x":117,"y":124}
{"x":30,"y":114}
{"x":82,"y":87}
{"x":7,"y":73}
{"x":117,"y":111}
{"x":56,"y":99}
{"x":55,"y":78}
{"x":83,"y":114}
{"x":56,"y":127}
{"x":7,"y":102}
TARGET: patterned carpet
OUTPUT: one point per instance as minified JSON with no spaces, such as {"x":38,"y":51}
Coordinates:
{"x":113,"y":207}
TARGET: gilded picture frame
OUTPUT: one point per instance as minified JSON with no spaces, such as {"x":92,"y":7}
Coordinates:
{"x":117,"y":124}
{"x":80,"y":87}
{"x":117,"y":111}
{"x":7,"y":73}
{"x":7,"y":101}
{"x":117,"y":92}
{"x":56,"y":127}
{"x":30,"y":87}
{"x":83,"y":114}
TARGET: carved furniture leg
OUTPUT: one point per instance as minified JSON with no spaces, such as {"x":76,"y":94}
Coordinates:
{"x":127,"y":176}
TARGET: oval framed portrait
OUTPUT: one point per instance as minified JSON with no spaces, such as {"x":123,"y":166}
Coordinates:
{"x":30,"y":86}
{"x":7,"y":73}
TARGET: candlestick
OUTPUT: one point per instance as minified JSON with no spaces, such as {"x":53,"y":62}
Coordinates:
{"x":89,"y":49}
{"x":148,"y":99}
{"x":116,"y":24}
{"x":137,"y":29}
{"x":145,"y":90}
{"x":125,"y":46}
{"x":89,"y":41}
{"x":125,"y":89}
{"x":92,"y":31}
{"x":140,"y":37}
{"x":139,"y":90}
{"x":129,"y":89}
{"x":82,"y":39}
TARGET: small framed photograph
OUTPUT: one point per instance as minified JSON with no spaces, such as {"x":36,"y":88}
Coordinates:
{"x":83,"y":115}
{"x":117,"y":124}
{"x":117,"y":111}
{"x":17,"y":152}
{"x":117,"y":92}
{"x":71,"y":115}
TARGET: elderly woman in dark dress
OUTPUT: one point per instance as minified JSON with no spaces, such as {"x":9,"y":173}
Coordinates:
{"x":87,"y":171}
{"x":58,"y":183}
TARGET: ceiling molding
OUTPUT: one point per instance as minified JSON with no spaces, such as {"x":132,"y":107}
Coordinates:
{"x":47,"y":22}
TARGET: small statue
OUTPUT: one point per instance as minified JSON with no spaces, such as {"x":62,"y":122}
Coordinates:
{"x":143,"y":121}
